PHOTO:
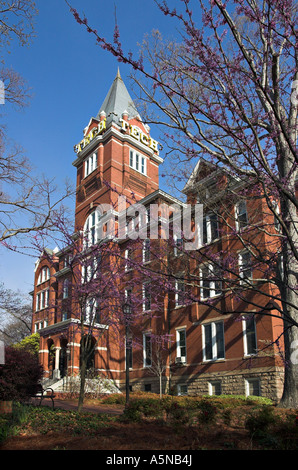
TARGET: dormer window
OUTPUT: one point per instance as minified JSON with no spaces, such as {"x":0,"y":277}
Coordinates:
{"x":138,"y":162}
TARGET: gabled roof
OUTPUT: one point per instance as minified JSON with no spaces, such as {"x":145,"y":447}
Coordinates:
{"x":205,"y":170}
{"x":117,"y":101}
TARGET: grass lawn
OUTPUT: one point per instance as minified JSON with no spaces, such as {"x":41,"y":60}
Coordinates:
{"x":151,"y":424}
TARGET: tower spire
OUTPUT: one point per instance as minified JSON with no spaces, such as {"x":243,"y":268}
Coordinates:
{"x":118,"y":74}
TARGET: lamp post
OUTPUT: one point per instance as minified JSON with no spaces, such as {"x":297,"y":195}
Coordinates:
{"x":127,"y":314}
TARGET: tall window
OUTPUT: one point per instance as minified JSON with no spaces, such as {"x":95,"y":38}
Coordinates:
{"x":211,"y":282}
{"x":181,"y":344}
{"x":147,"y":350}
{"x":138,"y":162}
{"x":147,"y":296}
{"x":44,"y":275}
{"x":90,"y":164}
{"x":127,"y":254}
{"x":42,"y":299}
{"x":65,"y":291}
{"x":210,"y":228}
{"x":146,"y":250}
{"x":92,"y":311}
{"x":178,"y":246}
{"x":91,"y":228}
{"x":241,"y":215}
{"x":180,"y":292}
{"x":249,"y":335}
{"x":245,"y":267}
{"x":213,"y":341}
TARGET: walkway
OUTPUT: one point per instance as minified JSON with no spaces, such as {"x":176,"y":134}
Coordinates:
{"x":88,"y":408}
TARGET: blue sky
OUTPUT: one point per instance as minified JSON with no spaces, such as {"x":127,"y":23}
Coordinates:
{"x":69,"y":76}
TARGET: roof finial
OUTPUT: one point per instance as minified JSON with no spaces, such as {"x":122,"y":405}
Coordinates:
{"x":118,"y":74}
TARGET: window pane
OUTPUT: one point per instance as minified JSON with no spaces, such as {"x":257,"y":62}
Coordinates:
{"x":246,"y":271}
{"x":147,"y":350}
{"x":215,"y":388}
{"x":220,"y":340}
{"x":208,"y":342}
{"x":241,"y":214}
{"x":213,"y":227}
{"x":180,"y":292}
{"x":182,"y":342}
{"x":205,"y":292}
{"x":251,"y":343}
{"x":254,"y":387}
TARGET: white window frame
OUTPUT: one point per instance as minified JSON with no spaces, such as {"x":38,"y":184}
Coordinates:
{"x":212,"y":289}
{"x":213,"y":383}
{"x":179,"y":348}
{"x":239,"y":224}
{"x":179,"y":292}
{"x":145,"y":336}
{"x":44,"y":275}
{"x":90,"y":164}
{"x":207,"y":228}
{"x":245,"y":319}
{"x":37,"y":306}
{"x":138,"y":161}
{"x":242,"y":266}
{"x":178,"y":246}
{"x":65,"y":289}
{"x":42,"y":299}
{"x":91,"y":228}
{"x":250,"y":380}
{"x":214,"y":342}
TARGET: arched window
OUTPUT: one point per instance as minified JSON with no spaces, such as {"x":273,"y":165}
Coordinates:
{"x":44,"y":275}
{"x":91,"y":228}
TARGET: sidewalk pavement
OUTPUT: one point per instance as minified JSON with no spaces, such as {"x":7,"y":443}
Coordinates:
{"x":88,"y":408}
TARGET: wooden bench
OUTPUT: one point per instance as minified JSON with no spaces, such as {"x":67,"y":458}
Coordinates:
{"x":43,"y":393}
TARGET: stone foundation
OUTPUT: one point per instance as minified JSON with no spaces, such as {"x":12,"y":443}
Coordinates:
{"x":270,"y":383}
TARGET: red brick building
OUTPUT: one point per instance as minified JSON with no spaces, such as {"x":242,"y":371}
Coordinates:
{"x":217,"y":336}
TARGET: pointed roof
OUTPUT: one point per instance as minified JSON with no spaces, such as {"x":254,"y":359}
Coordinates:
{"x":117,"y":101}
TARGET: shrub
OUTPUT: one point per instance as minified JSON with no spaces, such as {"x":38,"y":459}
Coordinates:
{"x":257,"y":423}
{"x":132,"y":412}
{"x":114,"y":399}
{"x":207,"y":412}
{"x":20,"y":375}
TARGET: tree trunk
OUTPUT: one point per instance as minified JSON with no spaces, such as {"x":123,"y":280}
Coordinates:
{"x":289,"y":293}
{"x":83,"y":370}
{"x":160,"y":385}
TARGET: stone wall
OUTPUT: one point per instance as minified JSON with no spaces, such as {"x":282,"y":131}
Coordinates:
{"x":231,"y":383}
